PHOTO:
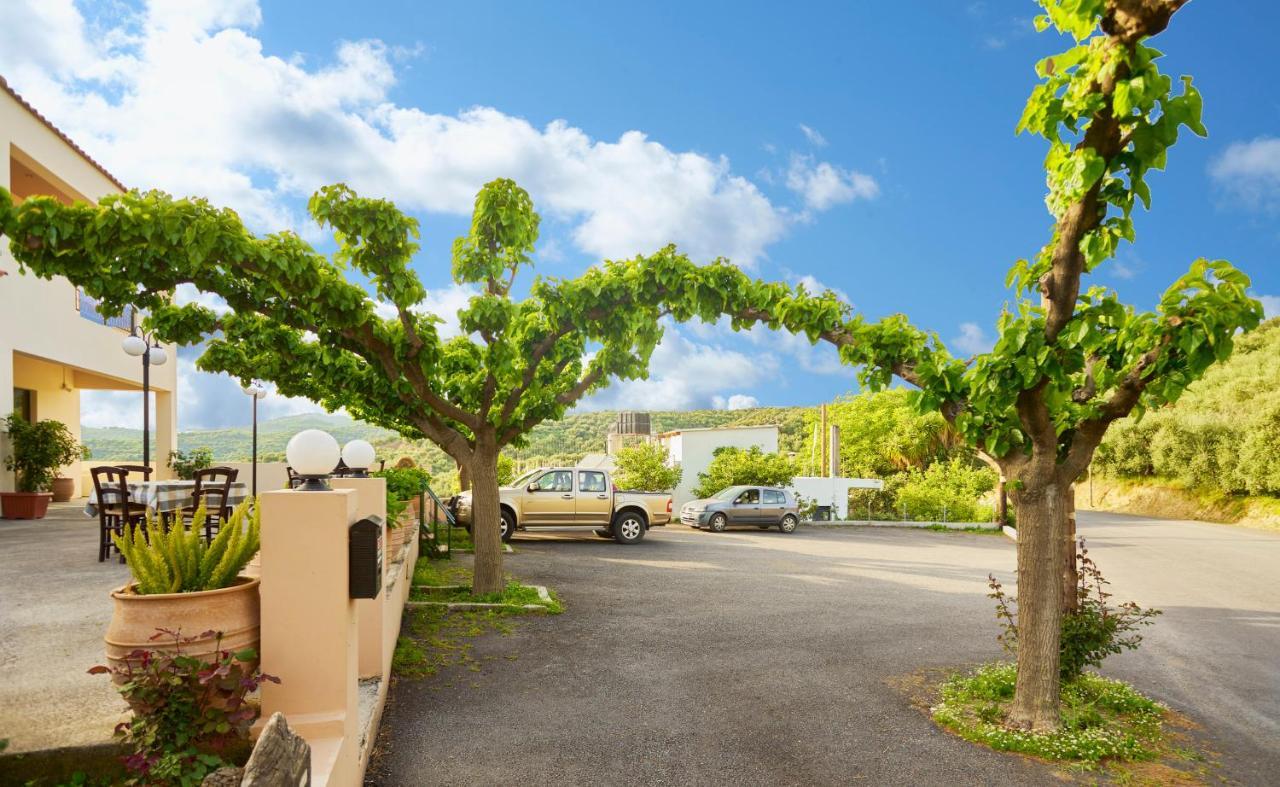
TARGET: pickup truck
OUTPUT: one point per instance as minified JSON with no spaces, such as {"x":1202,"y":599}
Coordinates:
{"x":573,"y":497}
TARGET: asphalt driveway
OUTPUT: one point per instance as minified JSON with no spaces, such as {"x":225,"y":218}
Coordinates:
{"x":757,"y":658}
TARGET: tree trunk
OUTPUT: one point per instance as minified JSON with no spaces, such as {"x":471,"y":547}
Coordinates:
{"x":1042,"y":524}
{"x":485,"y":514}
{"x":1070,"y":576}
{"x":1002,"y":501}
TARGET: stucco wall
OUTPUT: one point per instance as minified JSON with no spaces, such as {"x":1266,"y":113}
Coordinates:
{"x":39,"y":318}
{"x":693,"y":450}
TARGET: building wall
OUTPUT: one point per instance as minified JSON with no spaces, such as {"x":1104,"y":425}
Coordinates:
{"x":693,"y":450}
{"x":39,"y":319}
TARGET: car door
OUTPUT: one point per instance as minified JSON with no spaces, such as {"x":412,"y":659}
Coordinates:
{"x":594,"y":504}
{"x":772,"y":502}
{"x":549,"y":499}
{"x":746,"y":507}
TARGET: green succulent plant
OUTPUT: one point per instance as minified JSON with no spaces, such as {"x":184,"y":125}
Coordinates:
{"x":180,"y":561}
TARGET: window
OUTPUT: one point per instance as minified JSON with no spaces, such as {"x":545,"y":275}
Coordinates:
{"x":24,"y":404}
{"x":590,"y":481}
{"x":749,"y":497}
{"x":555,"y":481}
{"x":774,"y":498}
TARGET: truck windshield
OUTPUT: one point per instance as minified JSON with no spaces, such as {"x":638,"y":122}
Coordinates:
{"x":524,"y":479}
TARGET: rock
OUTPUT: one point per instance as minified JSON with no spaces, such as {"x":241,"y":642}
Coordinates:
{"x":223,"y":777}
{"x":280,"y":758}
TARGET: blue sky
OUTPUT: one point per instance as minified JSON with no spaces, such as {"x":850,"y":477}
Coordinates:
{"x":868,"y":147}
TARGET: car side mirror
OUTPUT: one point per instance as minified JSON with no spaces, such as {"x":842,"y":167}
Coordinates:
{"x":531,"y":488}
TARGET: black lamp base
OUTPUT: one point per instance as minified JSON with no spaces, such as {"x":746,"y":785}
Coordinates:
{"x":315,"y":483}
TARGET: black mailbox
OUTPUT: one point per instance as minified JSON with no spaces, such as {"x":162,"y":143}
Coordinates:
{"x":364,"y":556}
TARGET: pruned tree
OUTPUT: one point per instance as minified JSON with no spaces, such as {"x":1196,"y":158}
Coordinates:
{"x":351,"y":332}
{"x":1069,"y":363}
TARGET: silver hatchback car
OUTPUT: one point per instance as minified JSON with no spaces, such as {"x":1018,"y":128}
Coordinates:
{"x":762,"y":506}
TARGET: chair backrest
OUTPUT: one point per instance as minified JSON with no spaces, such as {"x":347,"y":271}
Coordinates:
{"x":110,"y":485}
{"x":142,"y":470}
{"x":214,"y":482}
{"x":295,"y":480}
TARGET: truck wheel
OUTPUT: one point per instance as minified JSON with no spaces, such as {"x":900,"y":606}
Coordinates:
{"x":603,"y":533}
{"x":788,"y":523}
{"x":507,"y":527}
{"x":628,"y":528}
{"x":717,"y":523}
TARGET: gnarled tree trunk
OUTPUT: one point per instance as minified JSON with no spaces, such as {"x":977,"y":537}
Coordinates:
{"x":1042,"y":524}
{"x":485,"y":514}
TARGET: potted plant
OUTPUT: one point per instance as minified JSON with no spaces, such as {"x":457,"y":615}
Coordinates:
{"x":185,"y":464}
{"x":39,"y":449}
{"x":182,"y":582}
{"x":405,"y":486}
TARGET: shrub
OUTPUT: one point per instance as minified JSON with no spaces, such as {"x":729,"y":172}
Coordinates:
{"x":185,"y":464}
{"x":403,"y":485}
{"x":644,"y":466}
{"x":187,"y":712}
{"x":734,"y":466}
{"x":39,"y":449}
{"x":179,"y":561}
{"x":1090,"y":633}
{"x":946,"y":490}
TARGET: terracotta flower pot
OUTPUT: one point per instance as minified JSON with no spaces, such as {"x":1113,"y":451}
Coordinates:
{"x":24,"y":505}
{"x":395,"y":541}
{"x":63,"y":489}
{"x":234,"y":611}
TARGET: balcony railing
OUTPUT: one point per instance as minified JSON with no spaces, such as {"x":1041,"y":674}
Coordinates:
{"x":88,"y":307}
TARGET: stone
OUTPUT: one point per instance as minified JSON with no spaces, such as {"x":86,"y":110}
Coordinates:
{"x":280,"y":758}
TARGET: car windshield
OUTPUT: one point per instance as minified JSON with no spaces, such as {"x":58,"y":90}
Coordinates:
{"x":728,"y":494}
{"x":527,"y":477}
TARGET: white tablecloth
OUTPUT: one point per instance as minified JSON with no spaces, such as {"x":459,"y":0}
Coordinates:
{"x":166,"y":496}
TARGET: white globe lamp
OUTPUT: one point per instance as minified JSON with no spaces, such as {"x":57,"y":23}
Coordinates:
{"x":359,"y":456}
{"x":158,"y":356}
{"x":134,"y":345}
{"x":313,"y":454}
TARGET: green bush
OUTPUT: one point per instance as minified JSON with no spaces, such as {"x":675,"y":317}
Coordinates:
{"x":178,"y":560}
{"x":946,"y":490}
{"x":185,"y":464}
{"x":734,"y":466}
{"x":643,"y":466}
{"x":403,"y":485}
{"x":39,"y":449}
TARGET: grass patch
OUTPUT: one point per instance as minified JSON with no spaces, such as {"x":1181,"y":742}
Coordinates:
{"x":1102,"y":719}
{"x":435,"y":640}
{"x":986,"y":531}
{"x":434,"y":572}
{"x":514,"y":593}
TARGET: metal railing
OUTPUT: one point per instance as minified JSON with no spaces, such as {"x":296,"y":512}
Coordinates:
{"x":432,"y":532}
{"x":88,"y":307}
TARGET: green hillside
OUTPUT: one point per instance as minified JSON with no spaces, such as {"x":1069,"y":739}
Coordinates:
{"x":1222,"y":435}
{"x":563,"y":441}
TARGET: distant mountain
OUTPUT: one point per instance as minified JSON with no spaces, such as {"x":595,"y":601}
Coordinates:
{"x":566,"y":440}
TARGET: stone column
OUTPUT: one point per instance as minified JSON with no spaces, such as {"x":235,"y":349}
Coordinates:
{"x":375,"y":658}
{"x":309,"y":632}
{"x":166,"y":427}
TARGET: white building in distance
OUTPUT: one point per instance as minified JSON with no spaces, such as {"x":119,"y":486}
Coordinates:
{"x":692,"y":450}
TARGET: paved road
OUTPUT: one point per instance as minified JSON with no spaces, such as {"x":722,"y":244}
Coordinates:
{"x":758,"y":658}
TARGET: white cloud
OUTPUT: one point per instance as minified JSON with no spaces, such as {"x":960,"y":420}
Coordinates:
{"x":444,"y":303}
{"x":734,"y":402}
{"x":814,"y":136}
{"x":815,"y":287}
{"x":782,"y":350}
{"x":685,"y":375}
{"x":822,"y":185}
{"x":972,"y":339}
{"x":186,"y":99}
{"x":187,"y":293}
{"x":1250,"y":172}
{"x":1270,"y":305}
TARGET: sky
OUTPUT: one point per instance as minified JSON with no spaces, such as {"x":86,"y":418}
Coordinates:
{"x":867,"y":148}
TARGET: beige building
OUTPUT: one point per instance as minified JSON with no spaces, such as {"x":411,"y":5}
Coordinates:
{"x":53,"y":343}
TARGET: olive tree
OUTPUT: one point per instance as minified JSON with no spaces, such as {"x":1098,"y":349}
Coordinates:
{"x":350,"y":331}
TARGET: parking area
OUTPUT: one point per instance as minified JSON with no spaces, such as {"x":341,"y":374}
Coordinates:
{"x":754,"y":657}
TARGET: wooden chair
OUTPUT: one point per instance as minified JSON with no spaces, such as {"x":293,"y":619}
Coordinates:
{"x":141,"y":470}
{"x":213,"y":488}
{"x":115,"y":510}
{"x":295,"y":480}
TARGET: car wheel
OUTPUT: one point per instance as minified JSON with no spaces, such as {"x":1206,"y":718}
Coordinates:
{"x":717,"y":523}
{"x":603,"y":533}
{"x":507,"y":527}
{"x":788,"y":523}
{"x":628,"y":528}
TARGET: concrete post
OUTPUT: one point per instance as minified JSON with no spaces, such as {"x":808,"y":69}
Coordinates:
{"x":375,"y":658}
{"x":166,"y":424}
{"x":6,"y":396}
{"x":309,"y":631}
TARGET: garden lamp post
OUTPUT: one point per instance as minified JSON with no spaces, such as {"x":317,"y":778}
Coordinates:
{"x":313,"y":454}
{"x":256,"y":391}
{"x":140,"y":344}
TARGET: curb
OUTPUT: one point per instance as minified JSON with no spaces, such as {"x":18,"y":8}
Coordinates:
{"x":460,"y":606}
{"x":505,"y":548}
{"x":906,"y":524}
{"x":1011,"y":532}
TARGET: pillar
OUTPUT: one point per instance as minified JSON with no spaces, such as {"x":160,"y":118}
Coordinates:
{"x":309,"y":631}
{"x":166,"y":428}
{"x":6,"y":404}
{"x":375,"y":656}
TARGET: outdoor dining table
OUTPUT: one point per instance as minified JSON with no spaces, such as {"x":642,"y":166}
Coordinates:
{"x":165,"y":497}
